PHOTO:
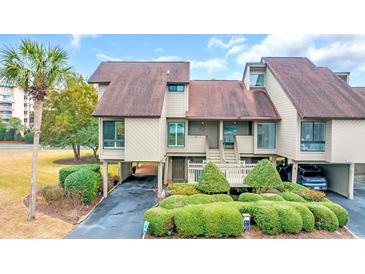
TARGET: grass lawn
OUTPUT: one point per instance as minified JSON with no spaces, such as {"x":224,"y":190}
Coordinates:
{"x":15,"y":173}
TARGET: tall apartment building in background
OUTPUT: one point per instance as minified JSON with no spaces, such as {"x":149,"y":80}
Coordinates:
{"x":14,"y":102}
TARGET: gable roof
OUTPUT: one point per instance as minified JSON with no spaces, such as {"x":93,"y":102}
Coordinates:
{"x":228,"y":99}
{"x":316,"y":92}
{"x":360,"y":91}
{"x":136,"y":88}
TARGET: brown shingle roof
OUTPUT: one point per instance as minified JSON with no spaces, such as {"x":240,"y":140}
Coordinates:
{"x":316,"y":92}
{"x":136,"y":88}
{"x":228,"y":100}
{"x":360,"y":91}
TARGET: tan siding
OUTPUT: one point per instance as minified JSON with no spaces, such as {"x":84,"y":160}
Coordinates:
{"x":142,"y":140}
{"x":108,"y":154}
{"x":287,"y":138}
{"x":245,"y":144}
{"x":348,"y":141}
{"x":177,"y":103}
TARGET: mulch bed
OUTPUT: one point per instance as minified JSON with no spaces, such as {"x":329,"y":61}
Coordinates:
{"x":71,"y":161}
{"x":255,"y":233}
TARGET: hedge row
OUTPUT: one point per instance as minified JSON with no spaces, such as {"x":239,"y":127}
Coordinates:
{"x":183,"y":189}
{"x":66,"y":171}
{"x":285,"y":196}
{"x":177,"y":201}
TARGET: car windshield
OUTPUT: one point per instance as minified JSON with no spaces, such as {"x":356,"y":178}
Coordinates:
{"x":313,"y":174}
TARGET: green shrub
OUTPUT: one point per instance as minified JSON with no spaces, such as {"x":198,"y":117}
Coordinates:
{"x":264,"y":176}
{"x":176,"y":201}
{"x":321,"y":213}
{"x":292,"y":197}
{"x":18,"y":138}
{"x":189,"y":221}
{"x":341,"y":213}
{"x":212,"y":180}
{"x":311,"y":195}
{"x":66,"y":171}
{"x":267,"y":219}
{"x":249,"y":197}
{"x":244,"y":207}
{"x":306,"y":214}
{"x":290,"y":219}
{"x":221,"y":221}
{"x":160,"y":219}
{"x":9,"y":135}
{"x":290,"y":186}
{"x":82,"y":184}
{"x":28,"y":137}
{"x":53,"y":194}
{"x":2,"y":133}
{"x":272,"y":197}
{"x":183,"y":189}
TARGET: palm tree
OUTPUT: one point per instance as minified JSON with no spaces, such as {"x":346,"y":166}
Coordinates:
{"x":35,"y":68}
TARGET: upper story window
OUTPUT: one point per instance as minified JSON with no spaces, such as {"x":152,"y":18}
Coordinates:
{"x":257,"y":79}
{"x":266,"y":135}
{"x":176,"y":87}
{"x":176,"y":134}
{"x":313,"y":136}
{"x":113,"y":134}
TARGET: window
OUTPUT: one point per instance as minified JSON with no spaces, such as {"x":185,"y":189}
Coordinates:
{"x":256,"y":80}
{"x":266,"y":135}
{"x":176,"y":134}
{"x":313,"y":136}
{"x":176,"y":88}
{"x":113,"y":134}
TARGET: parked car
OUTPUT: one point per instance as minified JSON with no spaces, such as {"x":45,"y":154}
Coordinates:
{"x":313,"y":177}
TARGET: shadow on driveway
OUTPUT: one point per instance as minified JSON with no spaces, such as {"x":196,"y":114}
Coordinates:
{"x":355,"y":207}
{"x":120,"y":215}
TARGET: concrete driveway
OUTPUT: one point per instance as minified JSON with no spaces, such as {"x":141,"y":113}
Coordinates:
{"x":120,"y":215}
{"x":355,"y":207}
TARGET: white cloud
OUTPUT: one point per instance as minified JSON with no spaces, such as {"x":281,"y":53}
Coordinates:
{"x":236,"y":75}
{"x":159,"y":50}
{"x":76,"y":39}
{"x":167,"y":58}
{"x":215,"y":42}
{"x":104,"y":57}
{"x":211,"y":65}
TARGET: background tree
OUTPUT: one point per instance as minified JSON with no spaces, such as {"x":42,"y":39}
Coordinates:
{"x":16,"y":124}
{"x":37,"y":69}
{"x":67,"y":120}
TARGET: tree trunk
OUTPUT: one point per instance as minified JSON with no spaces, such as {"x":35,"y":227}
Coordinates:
{"x":38,"y":108}
{"x":95,"y":150}
{"x":76,"y":149}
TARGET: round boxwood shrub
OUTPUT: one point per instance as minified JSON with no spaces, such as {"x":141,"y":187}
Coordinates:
{"x":82,"y":184}
{"x":160,"y":219}
{"x":221,"y":221}
{"x":264,"y":176}
{"x":249,"y":197}
{"x":267,"y":219}
{"x":198,"y":199}
{"x":292,"y":197}
{"x":212,"y":180}
{"x":244,"y":207}
{"x":53,"y":194}
{"x":222,"y":198}
{"x":290,"y":219}
{"x":272,"y":197}
{"x":64,"y":172}
{"x":341,"y":213}
{"x":174,"y":201}
{"x":324,"y":215}
{"x":306,"y":214}
{"x":189,"y":221}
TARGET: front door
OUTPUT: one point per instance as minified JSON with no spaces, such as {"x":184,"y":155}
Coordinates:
{"x":178,"y":168}
{"x":229,"y":131}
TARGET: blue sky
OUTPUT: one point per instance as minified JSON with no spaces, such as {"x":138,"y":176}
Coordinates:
{"x":211,"y":56}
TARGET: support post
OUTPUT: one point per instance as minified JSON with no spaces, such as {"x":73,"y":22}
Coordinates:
{"x":294,"y":173}
{"x":159,"y":180}
{"x":105,"y":179}
{"x":166,"y":170}
{"x":351,"y":181}
{"x":274,"y":161}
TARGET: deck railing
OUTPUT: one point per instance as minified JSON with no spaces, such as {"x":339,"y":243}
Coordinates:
{"x":235,"y":173}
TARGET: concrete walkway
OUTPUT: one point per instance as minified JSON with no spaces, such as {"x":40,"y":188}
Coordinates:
{"x":355,"y":207}
{"x":120,"y":215}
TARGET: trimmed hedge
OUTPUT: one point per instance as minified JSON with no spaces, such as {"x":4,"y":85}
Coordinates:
{"x":290,"y":219}
{"x":82,"y":184}
{"x":160,"y":219}
{"x":306,"y":193}
{"x":292,"y":197}
{"x":189,"y":221}
{"x":183,"y":189}
{"x":290,"y":186}
{"x":272,"y":197}
{"x":212,"y":180}
{"x":306,"y":214}
{"x":323,"y":214}
{"x":264,"y":176}
{"x":222,"y":221}
{"x":341,"y":213}
{"x":244,"y":207}
{"x":177,"y":201}
{"x":66,"y":171}
{"x":267,"y":219}
{"x":249,"y":197}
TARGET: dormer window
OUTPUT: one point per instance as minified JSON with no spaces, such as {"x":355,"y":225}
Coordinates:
{"x":176,"y":87}
{"x":257,"y":79}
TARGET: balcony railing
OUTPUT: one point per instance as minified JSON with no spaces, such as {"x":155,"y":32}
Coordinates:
{"x":235,"y":173}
